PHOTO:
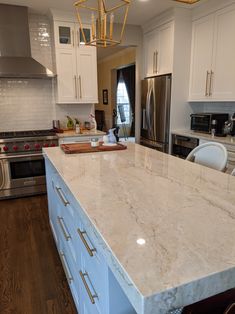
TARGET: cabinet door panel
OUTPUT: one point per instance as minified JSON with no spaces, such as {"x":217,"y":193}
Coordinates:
{"x":151,"y":46}
{"x":224,"y":56}
{"x":201,"y":58}
{"x":64,"y":35}
{"x":165,"y":58}
{"x":66,"y":76}
{"x":87,"y":75}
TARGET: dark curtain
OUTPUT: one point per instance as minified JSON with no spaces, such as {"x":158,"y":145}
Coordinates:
{"x":128,"y":75}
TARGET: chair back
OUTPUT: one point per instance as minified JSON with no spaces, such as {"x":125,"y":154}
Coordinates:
{"x":213,"y":155}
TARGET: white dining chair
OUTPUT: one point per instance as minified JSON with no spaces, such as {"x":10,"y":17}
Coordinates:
{"x":212,"y":154}
{"x":233,"y":172}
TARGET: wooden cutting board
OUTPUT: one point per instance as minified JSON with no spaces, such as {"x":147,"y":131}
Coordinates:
{"x":79,"y":148}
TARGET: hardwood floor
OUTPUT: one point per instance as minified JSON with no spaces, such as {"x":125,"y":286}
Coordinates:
{"x":32,"y":280}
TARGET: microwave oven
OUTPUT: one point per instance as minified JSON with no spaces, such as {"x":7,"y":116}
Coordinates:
{"x":202,"y":122}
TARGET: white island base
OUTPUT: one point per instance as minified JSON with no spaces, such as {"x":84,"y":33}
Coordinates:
{"x":139,"y":231}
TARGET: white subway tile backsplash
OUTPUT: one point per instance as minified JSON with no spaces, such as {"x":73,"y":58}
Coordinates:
{"x":223,"y":107}
{"x":29,"y":104}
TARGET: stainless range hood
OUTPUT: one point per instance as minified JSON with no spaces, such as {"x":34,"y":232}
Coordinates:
{"x":15,"y":51}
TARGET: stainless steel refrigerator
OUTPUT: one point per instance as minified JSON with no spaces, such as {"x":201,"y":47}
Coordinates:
{"x":155,"y":102}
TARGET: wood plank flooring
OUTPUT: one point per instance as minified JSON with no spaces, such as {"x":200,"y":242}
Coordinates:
{"x":32,"y":280}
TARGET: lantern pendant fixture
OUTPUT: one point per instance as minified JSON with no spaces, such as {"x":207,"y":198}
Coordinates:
{"x":103,"y":32}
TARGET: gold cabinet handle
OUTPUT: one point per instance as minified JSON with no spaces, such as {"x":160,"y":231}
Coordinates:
{"x":211,"y":80}
{"x":78,"y":38}
{"x":80,"y":85}
{"x":89,"y":250}
{"x":207,"y":78}
{"x":61,"y":196}
{"x":66,"y":268}
{"x":156,"y":70}
{"x":62,"y":226}
{"x":76,"y":87}
{"x":154,"y":61}
{"x":90,"y":295}
{"x":73,"y":38}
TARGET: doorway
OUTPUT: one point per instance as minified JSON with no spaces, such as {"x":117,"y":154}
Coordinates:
{"x":124,"y":113}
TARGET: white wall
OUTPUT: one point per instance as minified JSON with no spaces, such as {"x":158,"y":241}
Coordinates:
{"x":29,"y":104}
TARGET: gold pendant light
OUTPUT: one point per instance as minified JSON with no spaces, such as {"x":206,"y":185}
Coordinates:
{"x":187,"y":1}
{"x":103,"y":33}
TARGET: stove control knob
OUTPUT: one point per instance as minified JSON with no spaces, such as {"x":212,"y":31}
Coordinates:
{"x":26,"y":147}
{"x":15,"y":148}
{"x":53,"y":145}
{"x":37,"y":146}
{"x":46,"y":145}
{"x":5,"y":148}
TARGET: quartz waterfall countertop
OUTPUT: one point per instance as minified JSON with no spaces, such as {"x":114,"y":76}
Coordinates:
{"x":167,"y":226}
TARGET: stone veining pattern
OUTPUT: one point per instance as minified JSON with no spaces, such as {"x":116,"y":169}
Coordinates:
{"x":182,"y":214}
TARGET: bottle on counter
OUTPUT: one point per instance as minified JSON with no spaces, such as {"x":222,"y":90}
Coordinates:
{"x":213,"y":128}
{"x":77,"y":126}
{"x":93,"y":122}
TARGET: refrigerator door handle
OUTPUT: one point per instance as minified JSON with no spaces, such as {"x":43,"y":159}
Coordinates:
{"x":147,"y":110}
{"x":144,"y":120}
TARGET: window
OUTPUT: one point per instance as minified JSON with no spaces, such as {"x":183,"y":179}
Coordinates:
{"x":123,"y":104}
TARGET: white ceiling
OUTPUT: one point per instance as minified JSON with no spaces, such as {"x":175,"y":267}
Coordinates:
{"x":140,"y":11}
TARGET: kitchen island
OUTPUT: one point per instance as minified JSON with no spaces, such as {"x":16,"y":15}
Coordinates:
{"x":163,"y":226}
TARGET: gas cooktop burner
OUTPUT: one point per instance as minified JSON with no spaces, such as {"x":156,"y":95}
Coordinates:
{"x":34,"y":133}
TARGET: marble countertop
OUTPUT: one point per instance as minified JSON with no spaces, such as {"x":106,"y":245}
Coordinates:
{"x":224,"y":140}
{"x":167,"y":225}
{"x":72,"y":133}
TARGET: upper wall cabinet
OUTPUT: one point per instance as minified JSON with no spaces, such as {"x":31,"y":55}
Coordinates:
{"x":158,"y":47}
{"x":212,"y":76}
{"x":76,"y":65}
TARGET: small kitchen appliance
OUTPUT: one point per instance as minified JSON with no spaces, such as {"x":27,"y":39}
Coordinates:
{"x":22,"y":168}
{"x":203,"y":122}
{"x":232,"y":132}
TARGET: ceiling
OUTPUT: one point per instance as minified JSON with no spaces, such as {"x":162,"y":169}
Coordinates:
{"x":140,"y":12}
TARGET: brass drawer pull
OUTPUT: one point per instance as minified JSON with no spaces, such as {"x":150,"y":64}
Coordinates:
{"x":154,"y":62}
{"x":211,"y":81}
{"x":61,"y":196}
{"x":89,"y":250}
{"x":156,"y":70}
{"x":90,"y":295}
{"x":61,"y":223}
{"x":76,"y":90}
{"x":66,"y":268}
{"x":207,"y":78}
{"x":80,"y":85}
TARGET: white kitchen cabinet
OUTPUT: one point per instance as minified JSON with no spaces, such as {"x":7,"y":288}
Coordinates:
{"x":67,"y":82}
{"x":223,"y":79}
{"x":201,"y":58}
{"x":76,"y":65}
{"x":150,"y":47}
{"x":87,"y":74}
{"x":64,"y":33}
{"x":158,"y":47}
{"x":212,"y":75}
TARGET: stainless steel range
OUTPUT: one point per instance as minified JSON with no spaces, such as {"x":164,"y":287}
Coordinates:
{"x":22,"y":168}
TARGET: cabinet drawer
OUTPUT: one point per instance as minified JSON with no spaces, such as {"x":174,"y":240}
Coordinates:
{"x":92,"y":293}
{"x":71,"y":275}
{"x":93,"y":264}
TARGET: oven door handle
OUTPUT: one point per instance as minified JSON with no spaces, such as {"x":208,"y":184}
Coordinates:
{"x":21,"y":156}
